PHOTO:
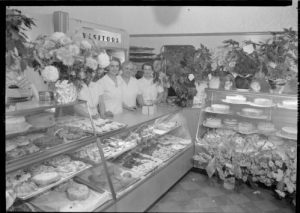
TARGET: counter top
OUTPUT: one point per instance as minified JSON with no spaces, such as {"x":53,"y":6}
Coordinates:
{"x":132,"y":118}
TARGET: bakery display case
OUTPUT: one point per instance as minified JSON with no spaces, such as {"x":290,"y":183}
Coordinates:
{"x":41,"y":139}
{"x":58,"y":161}
{"x":249,"y":137}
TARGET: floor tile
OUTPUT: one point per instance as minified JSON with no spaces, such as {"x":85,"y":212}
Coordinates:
{"x":188,"y":185}
{"x":254,"y":197}
{"x":222,"y":200}
{"x":196,"y":193}
{"x":205,"y":202}
{"x":232,"y":209}
{"x":213,"y":191}
{"x":250,"y":207}
{"x":265,"y":205}
{"x":238,"y":198}
{"x":178,"y":196}
{"x":169,"y":207}
{"x":213,"y":209}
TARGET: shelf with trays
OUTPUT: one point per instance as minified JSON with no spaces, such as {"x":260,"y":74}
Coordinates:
{"x":275,"y":113}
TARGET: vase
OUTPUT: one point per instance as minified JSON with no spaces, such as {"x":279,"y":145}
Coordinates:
{"x":214,"y":82}
{"x":65,"y":92}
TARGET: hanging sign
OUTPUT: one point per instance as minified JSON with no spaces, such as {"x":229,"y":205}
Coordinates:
{"x":99,"y":35}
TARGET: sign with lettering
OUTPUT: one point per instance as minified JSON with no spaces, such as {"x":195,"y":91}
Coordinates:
{"x":99,"y":35}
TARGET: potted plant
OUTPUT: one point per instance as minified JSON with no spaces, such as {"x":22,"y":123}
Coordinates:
{"x":240,"y":60}
{"x":17,"y":51}
{"x":280,"y":55}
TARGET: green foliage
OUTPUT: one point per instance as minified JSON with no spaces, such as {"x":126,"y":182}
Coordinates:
{"x":16,"y":24}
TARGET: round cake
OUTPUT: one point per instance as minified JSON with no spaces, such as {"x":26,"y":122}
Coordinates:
{"x":236,"y":99}
{"x":78,"y":192}
{"x":230,"y":122}
{"x":220,"y":108}
{"x":41,"y":120}
{"x":213,"y":122}
{"x":245,"y":127}
{"x":290,"y":103}
{"x":290,"y":131}
{"x":263,"y":101}
{"x":266,"y":126}
{"x":15,"y":123}
{"x":46,"y":178}
{"x":252,"y":112}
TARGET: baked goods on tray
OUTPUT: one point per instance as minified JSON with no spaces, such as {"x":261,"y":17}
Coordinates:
{"x":252,"y":112}
{"x":221,"y":108}
{"x":78,"y":191}
{"x":15,"y":124}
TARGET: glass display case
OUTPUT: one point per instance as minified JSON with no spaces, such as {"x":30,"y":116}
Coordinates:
{"x":40,"y":137}
{"x":249,"y":136}
{"x":58,"y":161}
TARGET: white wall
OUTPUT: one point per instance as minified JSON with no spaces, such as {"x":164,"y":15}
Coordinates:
{"x":194,"y":19}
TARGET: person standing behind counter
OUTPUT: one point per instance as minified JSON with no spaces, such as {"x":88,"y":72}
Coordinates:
{"x":110,"y":102}
{"x":90,"y":93}
{"x":130,"y":86}
{"x":151,"y":92}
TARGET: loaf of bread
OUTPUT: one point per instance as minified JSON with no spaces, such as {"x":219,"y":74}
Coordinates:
{"x":78,"y":192}
{"x":46,"y":178}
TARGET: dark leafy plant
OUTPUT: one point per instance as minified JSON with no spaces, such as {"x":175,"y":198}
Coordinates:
{"x":16,"y":39}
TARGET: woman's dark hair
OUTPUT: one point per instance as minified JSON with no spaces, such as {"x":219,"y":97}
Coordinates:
{"x":147,"y":64}
{"x":117,"y":60}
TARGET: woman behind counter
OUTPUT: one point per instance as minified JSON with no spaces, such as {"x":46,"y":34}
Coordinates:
{"x":151,"y":92}
{"x":110,"y":101}
{"x":130,"y":87}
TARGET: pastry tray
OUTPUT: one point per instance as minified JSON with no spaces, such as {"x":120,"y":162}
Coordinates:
{"x":279,"y":134}
{"x":232,"y":102}
{"x":259,"y":105}
{"x":45,"y":188}
{"x":54,"y":201}
{"x":163,"y":132}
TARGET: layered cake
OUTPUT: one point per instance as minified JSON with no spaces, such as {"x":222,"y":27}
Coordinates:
{"x":45,"y":178}
{"x":15,"y":124}
{"x":220,"y":108}
{"x":236,"y":99}
{"x":245,"y":127}
{"x":265,"y":126}
{"x":231,"y":123}
{"x":213,"y":122}
{"x":263,"y":101}
{"x":78,"y":192}
{"x":290,"y":131}
{"x":41,"y":120}
{"x":252,"y":112}
{"x":290,"y":103}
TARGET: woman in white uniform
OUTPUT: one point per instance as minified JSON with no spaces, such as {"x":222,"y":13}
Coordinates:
{"x":151,"y":92}
{"x":90,"y":93}
{"x":110,"y":102}
{"x":130,"y":87}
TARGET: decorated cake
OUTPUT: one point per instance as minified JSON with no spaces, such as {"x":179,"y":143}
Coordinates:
{"x":45,"y":178}
{"x":290,"y":131}
{"x":245,"y":127}
{"x":236,"y":99}
{"x":263,"y":101}
{"x":252,"y":112}
{"x":220,"y":108}
{"x":265,"y":126}
{"x":78,"y":192}
{"x":15,"y":124}
{"x":41,"y":120}
{"x":231,"y":123}
{"x":213,"y":122}
{"x":290,"y":103}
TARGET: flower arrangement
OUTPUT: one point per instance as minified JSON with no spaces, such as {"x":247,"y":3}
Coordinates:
{"x":58,"y":57}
